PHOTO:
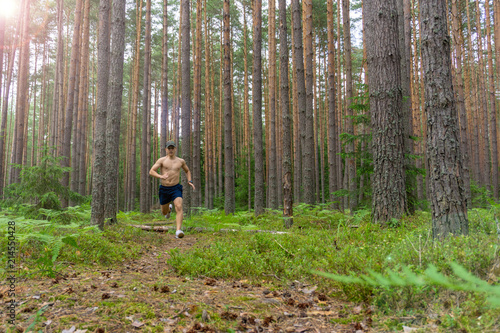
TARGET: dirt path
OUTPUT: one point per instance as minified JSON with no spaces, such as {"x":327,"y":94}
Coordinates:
{"x":146,"y":295}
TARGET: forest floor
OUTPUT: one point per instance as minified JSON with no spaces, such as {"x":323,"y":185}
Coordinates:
{"x":146,"y":295}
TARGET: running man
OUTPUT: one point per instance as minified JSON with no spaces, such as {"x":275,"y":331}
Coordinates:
{"x":170,"y":189}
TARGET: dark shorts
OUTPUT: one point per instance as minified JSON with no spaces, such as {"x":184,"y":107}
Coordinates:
{"x":169,"y":193}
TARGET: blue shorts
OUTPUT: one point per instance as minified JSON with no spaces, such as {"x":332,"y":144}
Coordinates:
{"x":169,"y":193}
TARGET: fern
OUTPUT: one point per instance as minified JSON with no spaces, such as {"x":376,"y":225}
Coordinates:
{"x":462,"y":280}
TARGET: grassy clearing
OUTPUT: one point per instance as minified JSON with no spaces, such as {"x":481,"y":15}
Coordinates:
{"x":320,"y":239}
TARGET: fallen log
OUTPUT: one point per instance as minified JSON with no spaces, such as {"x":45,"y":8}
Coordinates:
{"x":200,"y":229}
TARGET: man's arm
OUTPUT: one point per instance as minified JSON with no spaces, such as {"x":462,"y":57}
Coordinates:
{"x":154,"y":173}
{"x":188,"y":174}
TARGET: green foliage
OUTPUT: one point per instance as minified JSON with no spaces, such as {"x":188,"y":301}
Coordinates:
{"x":40,"y":187}
{"x":462,"y":280}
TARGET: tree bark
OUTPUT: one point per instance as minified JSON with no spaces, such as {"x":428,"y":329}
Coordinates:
{"x":298,"y":67}
{"x":164,"y":78}
{"x":350,"y":161}
{"x":257,"y":109}
{"x":114,"y":109}
{"x":186,"y":101}
{"x":287,"y":119}
{"x":384,"y":77}
{"x":72,"y":90}
{"x":332,"y":112}
{"x":447,"y":194}
{"x":145,"y":192}
{"x":229,"y":200}
{"x":99,"y":165}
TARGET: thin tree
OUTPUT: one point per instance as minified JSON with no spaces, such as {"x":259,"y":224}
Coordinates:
{"x":145,"y":192}
{"x":186,"y":99}
{"x":384,"y":80}
{"x":308,"y":152}
{"x":273,"y":182}
{"x":298,"y":68}
{"x":229,"y":200}
{"x":114,"y":108}
{"x":99,"y":163}
{"x":332,"y":113}
{"x":460,"y":99}
{"x":70,"y":98}
{"x":349,"y":161}
{"x":493,"y":105}
{"x":22,"y":105}
{"x":446,"y":191}
{"x":257,"y":108}
{"x":197,"y":109}
{"x":287,"y":119}
{"x":164,"y":78}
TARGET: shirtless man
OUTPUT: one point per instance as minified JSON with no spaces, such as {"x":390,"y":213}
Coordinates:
{"x":170,"y":189}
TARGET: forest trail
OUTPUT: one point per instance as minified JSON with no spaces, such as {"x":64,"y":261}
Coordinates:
{"x":146,"y":295}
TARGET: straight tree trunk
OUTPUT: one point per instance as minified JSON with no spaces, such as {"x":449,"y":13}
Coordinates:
{"x":384,"y":77}
{"x":114,"y":109}
{"x":297,"y":164}
{"x":298,"y":67}
{"x":460,"y":102}
{"x":485,"y":147}
{"x":145,"y":193}
{"x":76,"y":152}
{"x":72,"y":90}
{"x":197,"y":110}
{"x":5,"y":105}
{"x":257,"y":109}
{"x":309,"y":146}
{"x":404,"y":18}
{"x":273,"y":182}
{"x":493,"y":106}
{"x":447,"y":194}
{"x":229,"y":201}
{"x":58,"y":78}
{"x":350,"y":161}
{"x":332,"y":112}
{"x":186,"y":101}
{"x":287,"y":119}
{"x":99,"y":165}
{"x":246,"y":109}
{"x":22,"y":107}
{"x":164,"y":77}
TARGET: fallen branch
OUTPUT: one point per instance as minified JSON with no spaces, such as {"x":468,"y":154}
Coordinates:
{"x":293,"y":255}
{"x":200,"y":229}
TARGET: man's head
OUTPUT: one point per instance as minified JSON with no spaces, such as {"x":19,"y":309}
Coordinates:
{"x":170,"y":147}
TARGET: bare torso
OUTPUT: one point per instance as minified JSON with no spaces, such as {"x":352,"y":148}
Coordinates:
{"x":172,"y":168}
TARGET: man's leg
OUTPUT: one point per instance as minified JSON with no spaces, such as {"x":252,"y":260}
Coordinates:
{"x":178,"y":210}
{"x":166,"y":209}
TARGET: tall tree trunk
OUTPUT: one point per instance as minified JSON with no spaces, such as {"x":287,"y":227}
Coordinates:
{"x":164,"y":78}
{"x":485,"y":147}
{"x":5,"y":104}
{"x":447,"y":195}
{"x":76,"y":151}
{"x":286,"y":182}
{"x":404,"y":18}
{"x":273,"y":182}
{"x":246,"y":109}
{"x":145,"y":192}
{"x":114,"y":109}
{"x":297,"y":164}
{"x":332,"y":113}
{"x":99,"y":165}
{"x":72,"y":89}
{"x":58,"y":78}
{"x":22,"y":107}
{"x":197,"y":110}
{"x":493,"y":106}
{"x":308,"y":162}
{"x":458,"y":42}
{"x":384,"y":77}
{"x":257,"y":109}
{"x":229,"y":201}
{"x":349,"y":161}
{"x":298,"y":67}
{"x":186,"y":100}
